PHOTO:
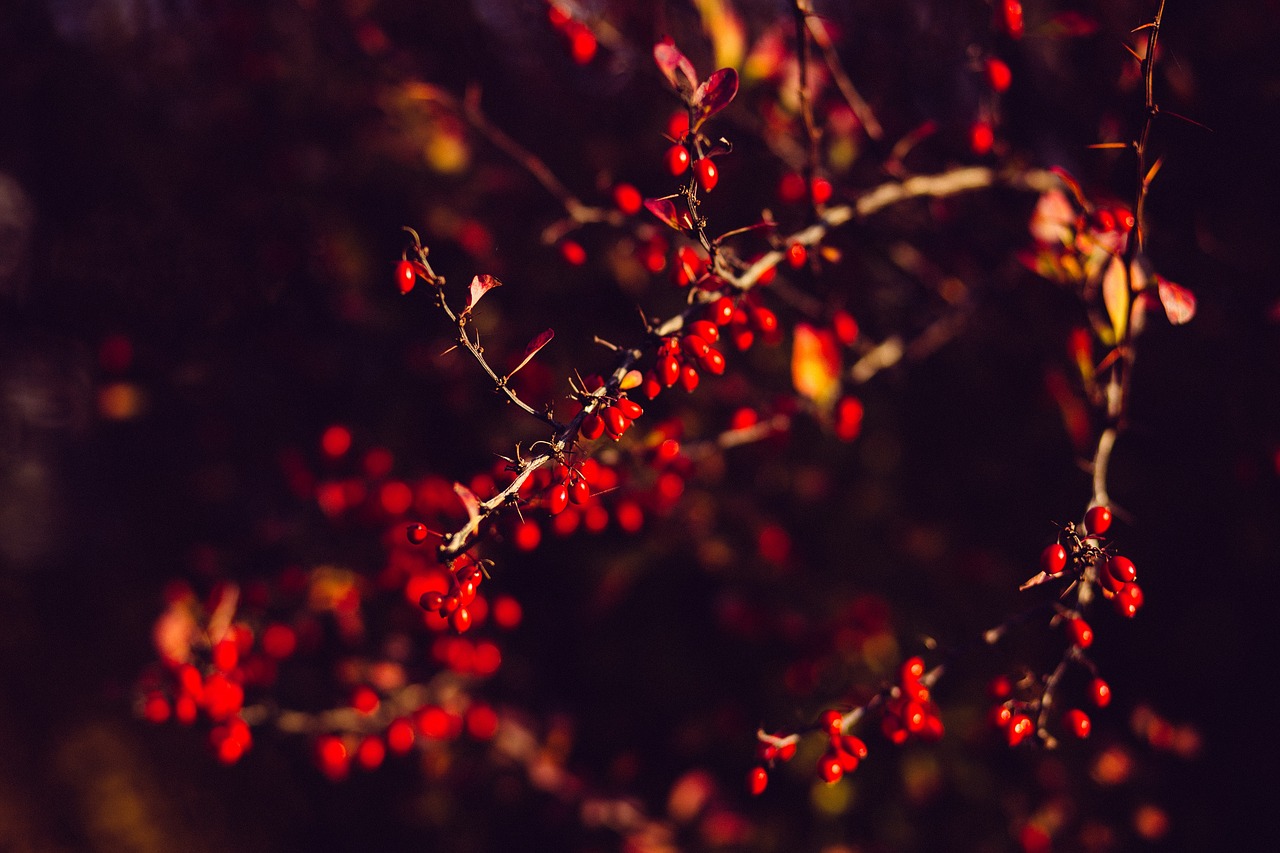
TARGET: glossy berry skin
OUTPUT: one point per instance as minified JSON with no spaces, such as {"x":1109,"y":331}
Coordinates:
{"x":998,"y":74}
{"x":1020,"y":727}
{"x":1080,"y":632}
{"x":1121,"y":569}
{"x":1077,"y":722}
{"x":981,"y":138}
{"x":708,"y":174}
{"x":712,"y":361}
{"x":669,"y":370}
{"x":406,"y":276}
{"x":706,"y":330}
{"x":677,"y":159}
{"x":1053,"y":559}
{"x":757,"y":781}
{"x":829,"y":769}
{"x":831,"y":721}
{"x":628,"y":199}
{"x":1100,"y":693}
{"x":460,"y":619}
{"x":1097,"y":520}
{"x":797,"y":254}
{"x":615,"y":422}
{"x":557,"y":499}
{"x":592,"y":427}
{"x":689,"y":378}
{"x":630,"y":408}
{"x":579,"y":491}
{"x":1129,"y":600}
{"x":721,"y":312}
{"x":416,"y":533}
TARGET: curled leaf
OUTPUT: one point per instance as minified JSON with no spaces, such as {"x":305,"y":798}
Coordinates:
{"x":676,"y":67}
{"x":1179,"y":303}
{"x":715,"y":94}
{"x":815,"y":365}
{"x":531,"y":350}
{"x":480,"y":285}
{"x":664,"y":209}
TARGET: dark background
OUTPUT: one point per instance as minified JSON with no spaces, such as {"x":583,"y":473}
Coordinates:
{"x":221,"y":183}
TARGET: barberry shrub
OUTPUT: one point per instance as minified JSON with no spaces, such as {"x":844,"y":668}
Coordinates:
{"x":728,"y":439}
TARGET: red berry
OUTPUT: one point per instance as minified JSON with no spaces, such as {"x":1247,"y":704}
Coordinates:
{"x":678,"y":124}
{"x":432,"y":601}
{"x":1000,"y":687}
{"x":689,"y":378}
{"x":615,"y":422}
{"x":406,"y":276}
{"x":845,"y":327}
{"x":1100,"y":693}
{"x":1129,"y":600}
{"x":579,"y":491}
{"x":582,"y":42}
{"x":1019,"y":728}
{"x":371,"y":752}
{"x":708,"y":174}
{"x":757,"y":781}
{"x":1001,"y":716}
{"x":694,"y":345}
{"x":592,"y":427}
{"x":527,"y":536}
{"x":1013,"y":18}
{"x":677,"y":159}
{"x":628,"y":199}
{"x":853,"y":746}
{"x":1097,"y":520}
{"x":821,"y":190}
{"x":651,"y":387}
{"x":460,"y":619}
{"x":630,"y":408}
{"x":364,"y":699}
{"x":1080,"y":632}
{"x":831,"y":721}
{"x":848,"y":418}
{"x":1053,"y":559}
{"x":721,"y":312}
{"x":791,"y":187}
{"x":911,"y":671}
{"x":573,"y":252}
{"x":400,"y":736}
{"x":981,"y":138}
{"x":712,"y":362}
{"x":331,"y":755}
{"x":998,"y":74}
{"x":668,"y":370}
{"x":1121,"y":569}
{"x":416,"y":533}
{"x":765,"y":321}
{"x":706,"y":330}
{"x":1077,"y":722}
{"x":830,"y":769}
{"x":797,"y":254}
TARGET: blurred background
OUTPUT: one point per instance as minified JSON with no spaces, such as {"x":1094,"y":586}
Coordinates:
{"x":200,"y":210}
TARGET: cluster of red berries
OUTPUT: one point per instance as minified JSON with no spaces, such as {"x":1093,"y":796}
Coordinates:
{"x":843,"y":752}
{"x":1116,"y":575}
{"x":910,"y":712}
{"x":1014,"y":716}
{"x":465,"y":576}
{"x":577,"y":35}
{"x":336,"y":753}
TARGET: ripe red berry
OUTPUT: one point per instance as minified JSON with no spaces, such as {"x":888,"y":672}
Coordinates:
{"x":460,"y":619}
{"x":1100,"y":693}
{"x":706,"y":330}
{"x":1019,"y":728}
{"x":628,"y":199}
{"x":371,"y":752}
{"x":708,"y":174}
{"x":364,"y":699}
{"x":829,"y":769}
{"x":579,"y":491}
{"x":668,"y":370}
{"x":1097,"y":520}
{"x":911,"y":671}
{"x":831,"y":721}
{"x":764,"y":320}
{"x":432,"y":601}
{"x":1080,"y":632}
{"x":797,"y":254}
{"x":845,"y":327}
{"x":331,"y":755}
{"x":689,"y":377}
{"x":757,"y":781}
{"x":678,"y":124}
{"x":651,"y":387}
{"x":1013,"y":18}
{"x":981,"y":138}
{"x":712,"y":361}
{"x":1121,"y":569}
{"x":592,"y":427}
{"x":615,"y":422}
{"x":998,"y":74}
{"x":821,"y":190}
{"x":406,"y":276}
{"x":1129,"y":600}
{"x":573,"y":252}
{"x":527,"y":537}
{"x":1001,"y":716}
{"x":677,"y":159}
{"x":629,"y":408}
{"x":721,"y":312}
{"x":849,"y":413}
{"x":416,"y":533}
{"x":1053,"y":559}
{"x":1077,"y":722}
{"x":694,"y":345}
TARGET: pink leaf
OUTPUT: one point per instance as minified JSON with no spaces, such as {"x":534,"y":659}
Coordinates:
{"x":469,"y":500}
{"x":1179,"y":303}
{"x":715,"y":94}
{"x":664,"y":209}
{"x":532,"y":349}
{"x":676,"y":66}
{"x":480,"y":285}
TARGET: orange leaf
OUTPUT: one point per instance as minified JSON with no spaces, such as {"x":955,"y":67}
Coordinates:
{"x":815,"y":365}
{"x":1115,"y":296}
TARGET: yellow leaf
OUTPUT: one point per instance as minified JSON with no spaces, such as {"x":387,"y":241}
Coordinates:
{"x":1115,"y":296}
{"x":815,"y":366}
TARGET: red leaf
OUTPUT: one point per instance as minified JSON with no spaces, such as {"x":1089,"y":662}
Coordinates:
{"x":676,"y":66}
{"x":1179,"y":303}
{"x":715,"y":94}
{"x":664,"y":209}
{"x":480,"y":285}
{"x":532,"y":349}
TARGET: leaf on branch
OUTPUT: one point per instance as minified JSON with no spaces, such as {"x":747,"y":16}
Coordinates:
{"x":815,"y":366}
{"x":469,"y":500}
{"x":532,"y":349}
{"x":676,"y":66}
{"x":715,"y":94}
{"x":1115,"y":296}
{"x":480,"y":285}
{"x":1179,"y":303}
{"x":664,"y":209}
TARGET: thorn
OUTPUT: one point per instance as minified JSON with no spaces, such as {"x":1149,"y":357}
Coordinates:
{"x":1133,"y":53}
{"x":1143,"y":27}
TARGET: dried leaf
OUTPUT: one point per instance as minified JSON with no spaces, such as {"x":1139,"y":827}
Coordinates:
{"x":469,"y":500}
{"x":676,"y":66}
{"x":532,"y":349}
{"x":480,"y":285}
{"x":632,"y":379}
{"x":815,"y":365}
{"x":715,"y":94}
{"x":664,"y":209}
{"x":1179,"y":303}
{"x":1115,"y":296}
